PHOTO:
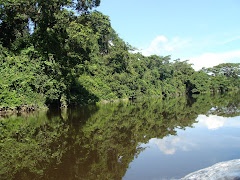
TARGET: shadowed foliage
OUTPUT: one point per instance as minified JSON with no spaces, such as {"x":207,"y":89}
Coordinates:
{"x":65,"y":52}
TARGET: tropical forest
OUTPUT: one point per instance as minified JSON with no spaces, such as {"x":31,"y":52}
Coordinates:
{"x":78,"y":102}
{"x":64,"y":52}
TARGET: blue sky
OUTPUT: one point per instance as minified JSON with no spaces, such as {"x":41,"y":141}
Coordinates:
{"x":206,"y":32}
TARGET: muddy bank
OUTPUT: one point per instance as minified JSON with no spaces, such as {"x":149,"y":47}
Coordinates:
{"x":19,"y":109}
{"x":112,"y":101}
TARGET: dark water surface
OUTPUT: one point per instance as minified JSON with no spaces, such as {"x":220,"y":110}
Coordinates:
{"x":145,"y":139}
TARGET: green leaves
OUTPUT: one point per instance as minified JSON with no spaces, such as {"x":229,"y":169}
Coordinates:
{"x":62,"y":51}
{"x":224,"y":76}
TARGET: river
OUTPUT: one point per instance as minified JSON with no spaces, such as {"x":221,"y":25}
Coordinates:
{"x":146,"y":139}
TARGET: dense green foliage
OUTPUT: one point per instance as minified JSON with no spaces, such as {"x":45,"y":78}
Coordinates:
{"x":97,"y":142}
{"x":64,"y":52}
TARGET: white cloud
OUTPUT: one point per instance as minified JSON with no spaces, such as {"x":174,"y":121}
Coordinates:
{"x":182,"y":48}
{"x":163,"y":46}
{"x":231,"y":39}
{"x":213,"y":59}
{"x":169,"y":145}
{"x":212,"y":122}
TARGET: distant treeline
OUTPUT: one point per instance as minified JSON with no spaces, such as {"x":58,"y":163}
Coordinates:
{"x":62,"y":52}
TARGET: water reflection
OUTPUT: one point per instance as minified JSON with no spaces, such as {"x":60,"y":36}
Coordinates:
{"x":212,"y":121}
{"x":215,"y":122}
{"x":102,"y":142}
{"x":169,"y":145}
{"x":211,"y":140}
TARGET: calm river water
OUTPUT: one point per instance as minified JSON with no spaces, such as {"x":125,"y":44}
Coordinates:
{"x":147,"y":139}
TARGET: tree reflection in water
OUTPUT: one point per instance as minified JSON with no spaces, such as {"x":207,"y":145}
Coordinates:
{"x":97,"y":142}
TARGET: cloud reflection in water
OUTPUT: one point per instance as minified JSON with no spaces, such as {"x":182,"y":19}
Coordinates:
{"x":169,"y":145}
{"x":214,"y":122}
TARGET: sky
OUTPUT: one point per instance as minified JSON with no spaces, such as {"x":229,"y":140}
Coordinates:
{"x":205,"y":32}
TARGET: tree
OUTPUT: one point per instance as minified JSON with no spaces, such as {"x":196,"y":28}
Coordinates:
{"x":225,"y":76}
{"x":199,"y":82}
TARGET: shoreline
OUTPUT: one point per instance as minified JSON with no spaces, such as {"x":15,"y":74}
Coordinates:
{"x":6,"y":110}
{"x":20,"y":109}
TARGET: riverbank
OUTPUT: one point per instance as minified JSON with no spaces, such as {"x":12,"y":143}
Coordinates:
{"x":5,"y":110}
{"x":20,"y":109}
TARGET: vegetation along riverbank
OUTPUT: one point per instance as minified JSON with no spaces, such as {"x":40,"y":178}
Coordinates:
{"x":51,"y":56}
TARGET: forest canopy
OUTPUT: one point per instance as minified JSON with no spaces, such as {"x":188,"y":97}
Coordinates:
{"x":65,"y":52}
